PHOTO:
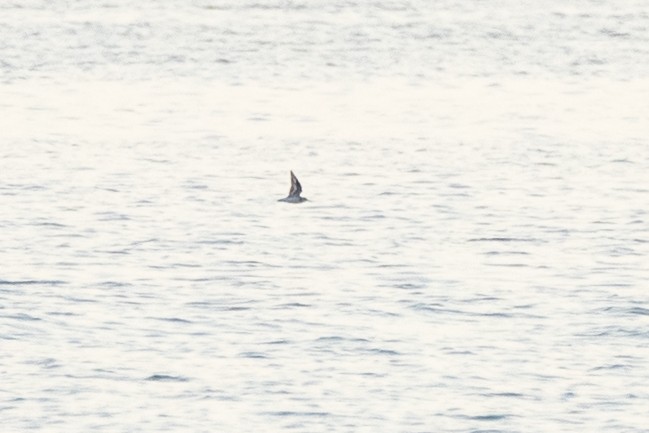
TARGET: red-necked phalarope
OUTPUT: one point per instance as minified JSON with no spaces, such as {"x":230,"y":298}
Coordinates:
{"x":294,"y":193}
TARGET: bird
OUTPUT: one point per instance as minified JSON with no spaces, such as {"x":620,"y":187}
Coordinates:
{"x":294,"y":192}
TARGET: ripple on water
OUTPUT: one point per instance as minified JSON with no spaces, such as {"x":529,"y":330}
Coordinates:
{"x":166,"y":378}
{"x":31,"y":282}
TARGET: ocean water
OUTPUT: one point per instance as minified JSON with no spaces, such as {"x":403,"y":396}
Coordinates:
{"x":473,"y":257}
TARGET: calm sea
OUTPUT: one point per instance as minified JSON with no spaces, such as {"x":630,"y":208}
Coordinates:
{"x":473,"y":257}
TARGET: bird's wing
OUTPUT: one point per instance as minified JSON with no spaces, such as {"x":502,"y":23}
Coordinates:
{"x":296,"y":188}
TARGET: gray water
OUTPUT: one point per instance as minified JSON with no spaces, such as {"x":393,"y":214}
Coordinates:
{"x":473,"y":256}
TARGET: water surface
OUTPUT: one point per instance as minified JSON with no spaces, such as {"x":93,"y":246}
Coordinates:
{"x":473,"y":255}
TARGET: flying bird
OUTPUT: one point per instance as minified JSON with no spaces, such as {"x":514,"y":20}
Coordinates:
{"x":295,"y":191}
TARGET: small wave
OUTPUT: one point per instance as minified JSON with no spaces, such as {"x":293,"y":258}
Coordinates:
{"x":623,"y":311}
{"x":253,"y":355}
{"x":639,"y":311}
{"x":615,"y":332}
{"x":49,"y":224}
{"x":411,"y":286}
{"x":486,"y":431}
{"x":505,"y":253}
{"x":30,"y":282}
{"x":293,"y":305}
{"x":488,"y":417}
{"x":235,"y":308}
{"x":277,"y":342}
{"x":438,"y":309}
{"x":493,"y":314}
{"x":45,"y":363}
{"x":502,"y":239}
{"x":506,"y":394}
{"x":112,"y":216}
{"x":330,"y":338}
{"x":23,"y":316}
{"x":172,"y":319}
{"x":435,"y":308}
{"x":145,"y":241}
{"x":611,"y":367}
{"x":220,"y":242}
{"x":386,"y":352}
{"x":291,"y":413}
{"x":166,"y":378}
{"x":114,"y":284}
{"x":508,"y":265}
